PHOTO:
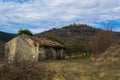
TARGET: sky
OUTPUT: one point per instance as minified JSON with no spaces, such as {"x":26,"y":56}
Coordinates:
{"x":42,"y":15}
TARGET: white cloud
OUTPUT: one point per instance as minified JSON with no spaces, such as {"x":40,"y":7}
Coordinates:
{"x":48,"y":13}
{"x":37,"y":30}
{"x":116,"y":9}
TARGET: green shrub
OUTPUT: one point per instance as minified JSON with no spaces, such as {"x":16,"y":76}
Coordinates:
{"x":25,"y":31}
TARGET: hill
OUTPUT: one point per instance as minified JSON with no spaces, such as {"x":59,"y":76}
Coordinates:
{"x":4,"y":37}
{"x":72,"y":33}
{"x":75,"y":37}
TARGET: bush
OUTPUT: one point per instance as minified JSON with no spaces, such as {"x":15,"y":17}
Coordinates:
{"x":77,"y":48}
{"x":102,"y":41}
{"x":25,"y":31}
{"x":25,"y":71}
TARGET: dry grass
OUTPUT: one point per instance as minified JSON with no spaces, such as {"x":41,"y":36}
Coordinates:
{"x":102,"y":69}
{"x":61,"y":70}
{"x":84,"y":69}
{"x":80,"y":70}
{"x":25,"y":71}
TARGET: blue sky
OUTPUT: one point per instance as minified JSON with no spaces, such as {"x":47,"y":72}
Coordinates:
{"x":41,"y":15}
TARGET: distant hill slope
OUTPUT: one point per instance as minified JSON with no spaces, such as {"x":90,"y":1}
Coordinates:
{"x":4,"y":37}
{"x":72,"y":33}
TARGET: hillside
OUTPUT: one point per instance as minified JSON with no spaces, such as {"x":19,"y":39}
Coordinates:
{"x":4,"y":37}
{"x":75,"y":37}
{"x":111,"y":56}
{"x":72,"y":33}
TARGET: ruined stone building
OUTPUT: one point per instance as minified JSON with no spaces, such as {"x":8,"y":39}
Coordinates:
{"x":24,"y":47}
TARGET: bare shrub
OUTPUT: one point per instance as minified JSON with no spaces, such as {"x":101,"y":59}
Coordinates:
{"x":102,"y":41}
{"x":25,"y":71}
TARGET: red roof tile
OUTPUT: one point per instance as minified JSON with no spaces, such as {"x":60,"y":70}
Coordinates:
{"x":45,"y":41}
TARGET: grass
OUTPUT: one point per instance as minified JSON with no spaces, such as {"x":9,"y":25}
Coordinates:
{"x":25,"y":71}
{"x":80,"y":70}
{"x":78,"y":57}
{"x":76,"y":68}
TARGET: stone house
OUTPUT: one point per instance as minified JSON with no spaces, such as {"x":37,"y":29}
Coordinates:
{"x":24,"y":47}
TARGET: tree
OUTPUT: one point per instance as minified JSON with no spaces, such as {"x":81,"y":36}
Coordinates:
{"x":102,"y":41}
{"x":24,"y":31}
{"x":77,"y":48}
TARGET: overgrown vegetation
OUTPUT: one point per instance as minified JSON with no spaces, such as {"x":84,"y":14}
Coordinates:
{"x":73,"y":49}
{"x":103,"y":40}
{"x":25,"y":71}
{"x":75,"y":69}
{"x":102,"y":69}
{"x":78,"y":48}
{"x":107,"y":69}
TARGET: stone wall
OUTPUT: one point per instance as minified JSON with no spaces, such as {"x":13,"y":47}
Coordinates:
{"x":42,"y":53}
{"x":22,"y":48}
{"x":51,"y":53}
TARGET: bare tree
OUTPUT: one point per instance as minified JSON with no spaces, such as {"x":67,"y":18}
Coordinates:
{"x":109,"y":26}
{"x":102,"y":40}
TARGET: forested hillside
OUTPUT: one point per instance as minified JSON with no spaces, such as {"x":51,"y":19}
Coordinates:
{"x":75,"y":37}
{"x":4,"y":37}
{"x":72,"y":33}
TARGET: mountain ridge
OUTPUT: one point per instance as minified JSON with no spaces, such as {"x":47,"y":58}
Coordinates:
{"x":4,"y":36}
{"x":71,"y":33}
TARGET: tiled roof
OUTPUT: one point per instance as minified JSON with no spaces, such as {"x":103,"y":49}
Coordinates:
{"x":45,"y":42}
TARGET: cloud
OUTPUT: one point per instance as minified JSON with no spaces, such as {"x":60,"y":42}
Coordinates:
{"x":40,"y":15}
